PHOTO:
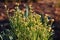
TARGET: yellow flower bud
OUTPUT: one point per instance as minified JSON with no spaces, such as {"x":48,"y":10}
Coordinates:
{"x":52,"y":30}
{"x":5,"y":6}
{"x":46,"y":15}
{"x":17,"y":3}
{"x":52,"y":19}
{"x":49,"y":29}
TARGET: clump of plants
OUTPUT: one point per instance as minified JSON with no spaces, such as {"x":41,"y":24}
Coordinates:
{"x":29,"y":25}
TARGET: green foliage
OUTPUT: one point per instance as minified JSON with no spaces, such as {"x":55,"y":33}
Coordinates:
{"x":7,"y":35}
{"x":30,"y":28}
